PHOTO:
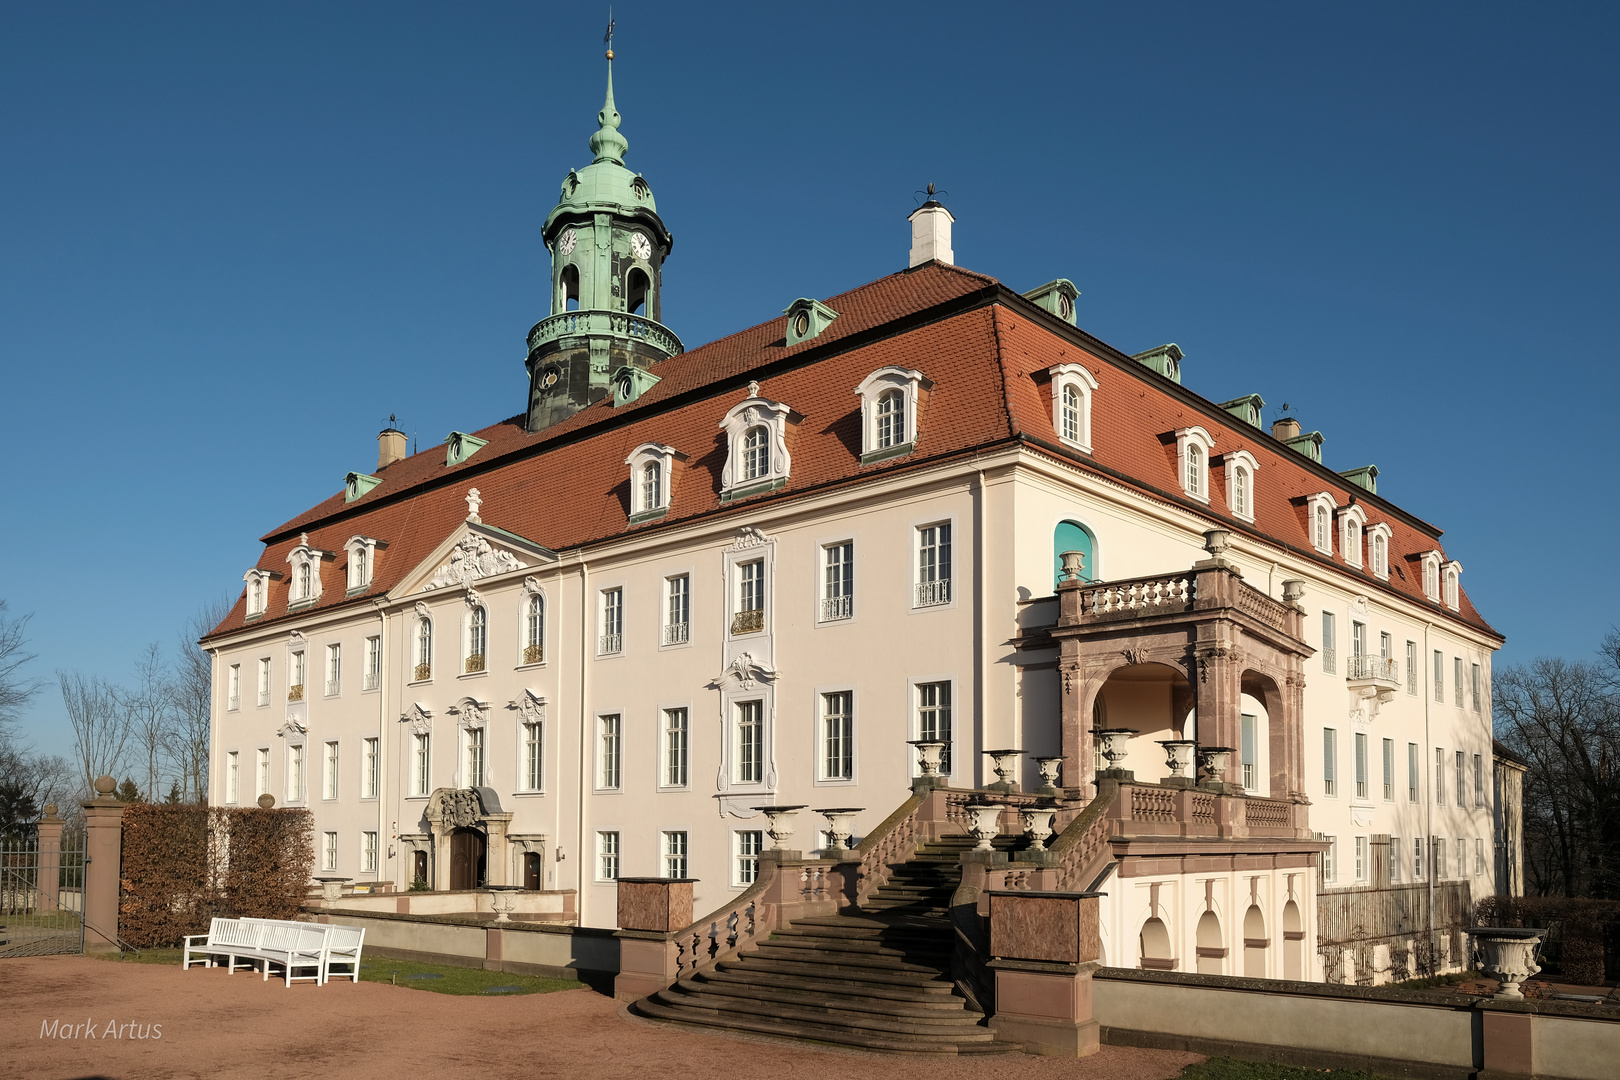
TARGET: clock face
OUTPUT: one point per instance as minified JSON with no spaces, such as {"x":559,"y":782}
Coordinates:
{"x":641,"y":246}
{"x":567,"y":242}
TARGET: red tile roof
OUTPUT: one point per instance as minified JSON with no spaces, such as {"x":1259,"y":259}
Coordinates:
{"x":985,"y":349}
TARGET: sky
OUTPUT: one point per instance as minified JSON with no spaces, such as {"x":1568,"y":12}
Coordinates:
{"x":235,"y":239}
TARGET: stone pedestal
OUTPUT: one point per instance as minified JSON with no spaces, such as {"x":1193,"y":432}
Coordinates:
{"x":49,"y":877}
{"x":103,"y":851}
{"x":650,"y":911}
{"x":1044,"y":948}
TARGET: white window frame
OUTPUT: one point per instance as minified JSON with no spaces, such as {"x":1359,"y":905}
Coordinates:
{"x":1233,"y":463}
{"x":928,"y":592}
{"x":1412,"y":668}
{"x":1380,"y":541}
{"x":421,"y":764}
{"x":368,"y":851}
{"x":1330,"y":861}
{"x":370,"y":766}
{"x":329,"y":851}
{"x":1414,"y":773}
{"x":300,"y":557}
{"x":1079,"y":379}
{"x":824,"y":735}
{"x":474,"y":762}
{"x":675,"y":850}
{"x":1387,"y":748}
{"x":329,"y":771}
{"x":264,"y":682}
{"x":361,"y":562}
{"x":1451,"y":584}
{"x":1330,"y":763}
{"x":752,"y":412}
{"x":1315,"y":507}
{"x":835,"y":601}
{"x":675,"y":754}
{"x":1193,"y":475}
{"x":422,"y":648}
{"x":334,"y":669}
{"x":257,"y":599}
{"x":1352,"y":526}
{"x":1361,"y":859}
{"x":610,"y":621}
{"x":233,"y":688}
{"x":475,"y":637}
{"x":910,"y":385}
{"x":531,"y":736}
{"x":1431,"y":575}
{"x":918,"y":688}
{"x":609,"y":773}
{"x":746,"y":847}
{"x":233,"y":777}
{"x":531,"y":646}
{"x":673,"y":633}
{"x":609,"y":855}
{"x":296,"y":781}
{"x":651,"y":453}
{"x":371,"y":677}
{"x":739,"y":772}
{"x":261,"y":772}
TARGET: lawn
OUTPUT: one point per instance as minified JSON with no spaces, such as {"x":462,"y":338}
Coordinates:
{"x":1225,"y":1068}
{"x":442,"y":978}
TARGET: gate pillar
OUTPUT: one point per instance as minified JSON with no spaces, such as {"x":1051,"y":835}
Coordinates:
{"x":103,"y":851}
{"x":49,"y":877}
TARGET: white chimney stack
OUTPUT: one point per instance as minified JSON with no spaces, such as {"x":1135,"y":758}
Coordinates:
{"x":931,"y":234}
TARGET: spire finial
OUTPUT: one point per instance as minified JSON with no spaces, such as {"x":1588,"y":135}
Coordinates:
{"x":607,"y":144}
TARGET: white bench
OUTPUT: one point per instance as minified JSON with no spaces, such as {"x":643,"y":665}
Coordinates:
{"x":295,"y":946}
{"x":230,"y":938}
{"x":342,"y":948}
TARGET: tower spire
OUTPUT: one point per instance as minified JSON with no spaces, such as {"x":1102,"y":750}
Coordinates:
{"x":607,"y":144}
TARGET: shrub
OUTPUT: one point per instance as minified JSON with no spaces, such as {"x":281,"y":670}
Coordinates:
{"x":1576,"y":929}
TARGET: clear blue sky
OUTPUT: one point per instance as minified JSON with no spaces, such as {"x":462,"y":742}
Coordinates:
{"x":234,"y":239}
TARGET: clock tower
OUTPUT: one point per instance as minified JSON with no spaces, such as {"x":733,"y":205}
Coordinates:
{"x":608,"y":247}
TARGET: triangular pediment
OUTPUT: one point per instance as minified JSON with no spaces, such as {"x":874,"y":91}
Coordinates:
{"x":472,"y":553}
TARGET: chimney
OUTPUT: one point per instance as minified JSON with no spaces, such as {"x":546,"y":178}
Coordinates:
{"x":1285,"y":428}
{"x":931,"y":233}
{"x":390,"y":447}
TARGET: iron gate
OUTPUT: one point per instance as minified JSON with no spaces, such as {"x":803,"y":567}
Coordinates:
{"x":41,"y":895}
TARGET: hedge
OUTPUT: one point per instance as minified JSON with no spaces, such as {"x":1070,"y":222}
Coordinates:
{"x":1577,"y":930}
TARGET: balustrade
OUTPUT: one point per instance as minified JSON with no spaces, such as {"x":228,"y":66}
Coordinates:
{"x":1252,"y":601}
{"x":1120,"y":599}
{"x":1375,"y":668}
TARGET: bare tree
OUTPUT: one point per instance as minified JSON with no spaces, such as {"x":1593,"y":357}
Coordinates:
{"x":193,"y":701}
{"x":15,"y":691}
{"x":148,"y":708}
{"x":29,"y":782}
{"x":100,"y":733}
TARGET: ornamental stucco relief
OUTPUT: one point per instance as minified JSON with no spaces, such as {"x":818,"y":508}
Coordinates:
{"x":473,"y":558}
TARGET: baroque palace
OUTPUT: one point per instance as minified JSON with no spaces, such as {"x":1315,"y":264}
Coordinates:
{"x":928,"y":528}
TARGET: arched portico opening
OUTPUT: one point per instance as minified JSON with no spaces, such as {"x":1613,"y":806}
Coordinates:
{"x":1211,"y":949}
{"x":1293,"y":942}
{"x":1254,"y":943}
{"x":1156,"y":700}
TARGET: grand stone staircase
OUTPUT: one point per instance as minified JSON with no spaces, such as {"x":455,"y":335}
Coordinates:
{"x":877,"y":978}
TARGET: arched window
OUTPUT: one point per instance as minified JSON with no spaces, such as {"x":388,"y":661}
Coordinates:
{"x":568,"y":289}
{"x":1431,"y":586}
{"x":1154,"y":943}
{"x":424,"y":649}
{"x":1451,"y":588}
{"x":534,"y":630}
{"x":1323,"y":537}
{"x":1195,"y":470}
{"x":756,"y":453}
{"x":1380,"y":555}
{"x":652,"y":486}
{"x":255,"y":596}
{"x":891,"y":419}
{"x":635,"y":291}
{"x":1254,"y":943}
{"x":304,"y":579}
{"x":477,"y":637}
{"x":1071,"y":413}
{"x":1072,"y":536}
{"x":1211,"y":952}
{"x":1240,"y":489}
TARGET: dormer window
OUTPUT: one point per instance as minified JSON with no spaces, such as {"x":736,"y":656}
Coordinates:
{"x":756,"y":435}
{"x":1352,"y":519}
{"x":889,"y":401}
{"x":1240,"y":469}
{"x":1380,"y":535}
{"x":357,"y":484}
{"x":362,"y":559}
{"x":1193,"y":446}
{"x":1451,"y":574}
{"x":807,"y":318}
{"x":306,"y":573}
{"x":459,"y":446}
{"x":258,"y":591}
{"x":651,"y":480}
{"x":1319,"y":513}
{"x":1431,"y":575}
{"x":1072,"y":387}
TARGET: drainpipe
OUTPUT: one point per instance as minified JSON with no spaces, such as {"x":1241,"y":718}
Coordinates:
{"x":1427,"y":791}
{"x":981,"y":691}
{"x":580,"y":891}
{"x":382,"y":737}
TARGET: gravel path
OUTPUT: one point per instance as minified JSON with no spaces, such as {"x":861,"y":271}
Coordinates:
{"x":236,"y":1026}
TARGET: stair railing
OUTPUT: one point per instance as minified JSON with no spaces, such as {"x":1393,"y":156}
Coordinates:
{"x":1082,"y":849}
{"x":894,"y":841}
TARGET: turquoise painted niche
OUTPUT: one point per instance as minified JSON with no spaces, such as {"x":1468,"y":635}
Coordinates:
{"x":1073,"y":536}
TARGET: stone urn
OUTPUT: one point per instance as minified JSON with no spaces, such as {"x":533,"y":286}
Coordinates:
{"x":1049,"y":768}
{"x":1037,"y":825}
{"x":1212,"y":762}
{"x":331,"y":888}
{"x":984,"y":824}
{"x":1113,"y":744}
{"x":1074,"y":565}
{"x":502,"y":902}
{"x":1178,"y":757}
{"x":930,"y":755}
{"x":779,"y":825}
{"x":1509,"y":955}
{"x":1005,"y":765}
{"x":840,"y":823}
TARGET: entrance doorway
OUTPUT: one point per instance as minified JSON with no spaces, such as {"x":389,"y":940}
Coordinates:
{"x":531,"y":870}
{"x":466,"y":858}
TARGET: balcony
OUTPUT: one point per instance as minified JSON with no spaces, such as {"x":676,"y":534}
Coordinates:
{"x":608,"y":644}
{"x":332,"y":689}
{"x":1374,"y":669}
{"x":473,"y":665}
{"x":748,"y":622}
{"x":834,"y":608}
{"x":372,"y":680}
{"x":264,"y":697}
{"x":533,"y":654}
{"x":614,"y":323}
{"x":295,"y":692}
{"x":933,"y":593}
{"x":677,"y":633}
{"x":234,"y":703}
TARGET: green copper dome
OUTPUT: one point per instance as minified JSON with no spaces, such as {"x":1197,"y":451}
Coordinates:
{"x":605,"y":185}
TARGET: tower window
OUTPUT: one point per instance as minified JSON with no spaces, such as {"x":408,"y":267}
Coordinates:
{"x":636,"y":289}
{"x":568,"y":289}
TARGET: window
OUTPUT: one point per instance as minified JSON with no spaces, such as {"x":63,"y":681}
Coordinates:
{"x":1479,"y":856}
{"x":838,"y":581}
{"x":295,"y":774}
{"x":534,"y":629}
{"x":1462,"y":857}
{"x":651,"y":479}
{"x":611,"y":639}
{"x":1479,"y":780}
{"x":1330,"y":859}
{"x":1457,"y":681}
{"x":608,"y":754}
{"x":749,"y":843}
{"x":475,"y":759}
{"x":1386,"y":646}
{"x":1249,"y":751}
{"x":1361,"y":765}
{"x":1361,"y":858}
{"x":675,"y":854}
{"x":891,"y":420}
{"x":676,"y":747}
{"x":1319,"y":509}
{"x":533,"y":755}
{"x":1439,"y":776}
{"x":1323,"y":540}
{"x":1240,"y":493}
{"x":750,"y":614}
{"x":1330,"y":663}
{"x":607,"y":856}
{"x":231,"y":776}
{"x":1462,"y":779}
{"x":1411,"y":668}
{"x":1193,"y":448}
{"x":264,"y":681}
{"x":750,"y":748}
{"x":1439,"y":845}
{"x":421,"y":763}
{"x":1072,"y":390}
{"x":889,"y":399}
{"x":934,"y":718}
{"x":1389,"y":770}
{"x":362,"y":557}
{"x":424,"y":650}
{"x":369,"y":768}
{"x":1474,"y":685}
{"x":233,"y":688}
{"x":477,"y":639}
{"x":1330,"y":774}
{"x":1431,"y":575}
{"x":1358,"y":638}
{"x":837,"y":736}
{"x":368,"y":852}
{"x":1417,"y":858}
{"x":1411,"y":772}
{"x":1073,"y":536}
{"x":329,"y":852}
{"x":264,"y":771}
{"x":756,"y":454}
{"x":652,"y":485}
{"x":934,"y":565}
{"x":258,"y":592}
{"x":756,"y":438}
{"x":334,"y":670}
{"x":329,"y":778}
{"x":677,"y":610}
{"x":1395,"y":858}
{"x":1351,"y":521}
{"x":1453,"y":595}
{"x":295,"y":677}
{"x":373,"y":675}
{"x":306,"y":587}
{"x":1439,"y":676}
{"x":306,"y":572}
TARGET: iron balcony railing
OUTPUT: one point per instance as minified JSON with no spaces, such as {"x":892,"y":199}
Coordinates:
{"x":678,"y":633}
{"x":1381,"y":668}
{"x":423,"y":672}
{"x":235,"y":703}
{"x":834,"y":608}
{"x":295,"y":692}
{"x":610,"y":643}
{"x":474,"y":664}
{"x":748,"y":622}
{"x":264,"y":697}
{"x":372,"y":679}
{"x":934,"y":592}
{"x":533,"y":654}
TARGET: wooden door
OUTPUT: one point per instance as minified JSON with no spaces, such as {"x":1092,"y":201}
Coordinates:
{"x":466,"y":858}
{"x":531,"y":870}
{"x":419,"y":867}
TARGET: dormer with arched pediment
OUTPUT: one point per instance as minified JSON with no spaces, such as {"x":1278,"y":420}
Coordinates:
{"x":652,"y":480}
{"x":757,"y":456}
{"x":305,"y":575}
